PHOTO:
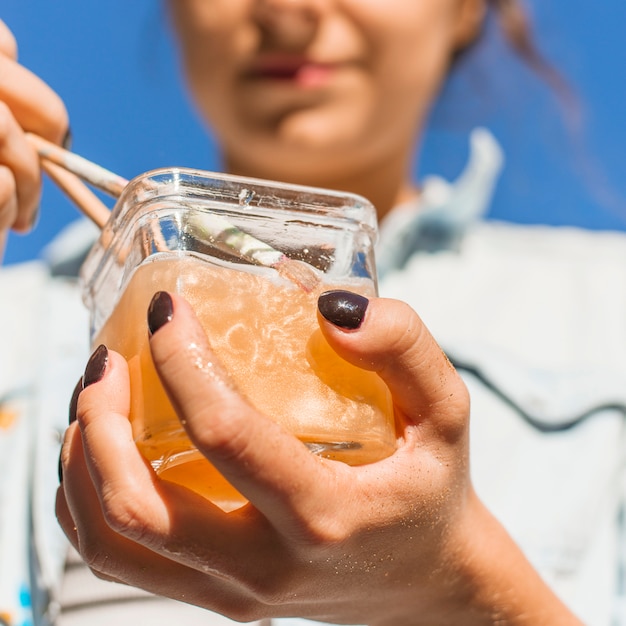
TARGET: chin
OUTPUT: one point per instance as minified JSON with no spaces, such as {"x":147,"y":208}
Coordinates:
{"x":306,"y":147}
{"x":302,"y":162}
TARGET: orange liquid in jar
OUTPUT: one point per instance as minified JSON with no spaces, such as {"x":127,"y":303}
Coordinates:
{"x":264,"y":330}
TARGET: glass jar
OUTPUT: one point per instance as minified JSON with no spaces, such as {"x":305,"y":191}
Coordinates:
{"x":252,"y":257}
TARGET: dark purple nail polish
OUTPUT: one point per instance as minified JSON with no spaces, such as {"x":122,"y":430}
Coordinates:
{"x":96,"y":366}
{"x":160,"y":311}
{"x":74,"y":400}
{"x":67,"y":140}
{"x":34,"y":219}
{"x":60,"y":469}
{"x":343,"y":308}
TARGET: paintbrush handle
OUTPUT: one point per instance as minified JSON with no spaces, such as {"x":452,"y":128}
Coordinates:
{"x":87,"y":201}
{"x":94,"y":174}
{"x":64,"y":167}
{"x":215,"y":229}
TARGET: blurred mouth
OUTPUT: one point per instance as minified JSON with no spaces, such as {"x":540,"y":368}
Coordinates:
{"x":300,"y":73}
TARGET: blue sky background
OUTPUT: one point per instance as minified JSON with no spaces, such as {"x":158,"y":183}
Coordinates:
{"x":113,"y":64}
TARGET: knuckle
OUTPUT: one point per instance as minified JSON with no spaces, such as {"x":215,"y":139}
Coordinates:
{"x":453,"y":412}
{"x":124,"y":514}
{"x":401,"y":328}
{"x":7,"y":121}
{"x":243,"y":611}
{"x":167,"y":356}
{"x":319,"y":531}
{"x":88,"y":412}
{"x":322,"y":533}
{"x":226,"y":436}
{"x":96,"y":557}
{"x":266,"y":591}
{"x":407,"y":328}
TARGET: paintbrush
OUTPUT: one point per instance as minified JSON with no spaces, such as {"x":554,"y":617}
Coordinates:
{"x":67,"y":169}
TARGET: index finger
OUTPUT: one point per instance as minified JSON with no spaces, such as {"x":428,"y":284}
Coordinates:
{"x":254,"y":453}
{"x":35,"y":105}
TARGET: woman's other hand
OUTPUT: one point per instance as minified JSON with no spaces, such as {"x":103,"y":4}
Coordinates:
{"x":26,"y":104}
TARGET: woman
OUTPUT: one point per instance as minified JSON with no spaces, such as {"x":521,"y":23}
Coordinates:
{"x":334,"y":93}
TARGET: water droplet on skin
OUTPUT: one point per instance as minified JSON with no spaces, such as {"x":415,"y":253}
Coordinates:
{"x":207,"y":367}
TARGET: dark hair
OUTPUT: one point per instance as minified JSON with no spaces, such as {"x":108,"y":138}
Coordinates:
{"x":516,"y":28}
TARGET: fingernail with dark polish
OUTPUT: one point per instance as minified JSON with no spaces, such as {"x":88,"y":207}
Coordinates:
{"x":160,"y":311}
{"x":96,"y":366}
{"x":74,"y":400}
{"x":34,"y":218}
{"x":343,"y":308}
{"x":67,"y":140}
{"x":60,"y":468}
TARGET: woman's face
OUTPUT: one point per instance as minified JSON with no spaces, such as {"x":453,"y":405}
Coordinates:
{"x":311,"y":90}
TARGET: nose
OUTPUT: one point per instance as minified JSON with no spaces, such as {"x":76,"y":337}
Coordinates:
{"x":290,"y":24}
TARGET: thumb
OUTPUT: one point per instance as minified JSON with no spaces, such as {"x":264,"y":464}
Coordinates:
{"x":388,"y":337}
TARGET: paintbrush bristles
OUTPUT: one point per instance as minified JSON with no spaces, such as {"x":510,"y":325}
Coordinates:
{"x":299,"y":273}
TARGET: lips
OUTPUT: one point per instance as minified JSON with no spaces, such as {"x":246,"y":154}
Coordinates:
{"x":296,"y":71}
